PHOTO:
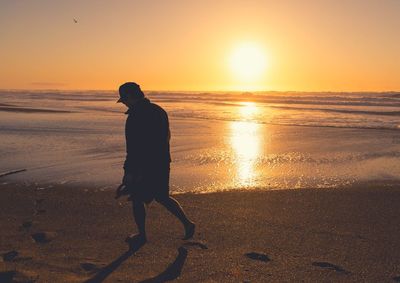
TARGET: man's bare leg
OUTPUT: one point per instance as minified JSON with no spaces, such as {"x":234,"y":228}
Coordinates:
{"x":139,"y":214}
{"x":173,"y":206}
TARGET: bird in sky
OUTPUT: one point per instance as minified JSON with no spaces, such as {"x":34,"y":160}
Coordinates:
{"x":75,"y":21}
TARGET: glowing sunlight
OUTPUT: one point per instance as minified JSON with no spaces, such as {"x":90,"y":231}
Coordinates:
{"x":248,"y":62}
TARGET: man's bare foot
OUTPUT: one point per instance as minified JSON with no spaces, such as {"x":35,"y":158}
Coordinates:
{"x":136,"y":240}
{"x":189,"y":231}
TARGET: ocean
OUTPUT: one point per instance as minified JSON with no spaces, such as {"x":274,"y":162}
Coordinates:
{"x":220,"y":140}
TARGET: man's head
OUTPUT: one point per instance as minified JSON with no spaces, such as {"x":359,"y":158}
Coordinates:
{"x":130,"y":93}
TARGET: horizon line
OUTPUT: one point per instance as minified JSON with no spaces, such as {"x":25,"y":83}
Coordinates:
{"x":204,"y":91}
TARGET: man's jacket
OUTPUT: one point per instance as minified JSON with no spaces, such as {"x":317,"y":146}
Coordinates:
{"x":147,"y":138}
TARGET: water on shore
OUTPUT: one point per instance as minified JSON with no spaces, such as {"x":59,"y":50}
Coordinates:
{"x":219,"y":140}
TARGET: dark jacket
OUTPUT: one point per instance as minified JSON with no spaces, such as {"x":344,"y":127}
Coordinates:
{"x":147,"y":138}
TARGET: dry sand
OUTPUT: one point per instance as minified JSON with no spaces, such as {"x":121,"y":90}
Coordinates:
{"x":69,"y":234}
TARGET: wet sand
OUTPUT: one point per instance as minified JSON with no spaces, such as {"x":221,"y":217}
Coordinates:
{"x":8,"y":108}
{"x":219,"y":140}
{"x":69,"y":234}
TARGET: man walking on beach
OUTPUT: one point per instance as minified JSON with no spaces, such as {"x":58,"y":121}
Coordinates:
{"x":147,"y":164}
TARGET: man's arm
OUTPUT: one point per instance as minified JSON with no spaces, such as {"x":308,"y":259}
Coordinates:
{"x":135,"y":135}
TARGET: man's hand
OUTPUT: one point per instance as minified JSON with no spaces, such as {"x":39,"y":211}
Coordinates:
{"x":127,"y":179}
{"x":121,"y":190}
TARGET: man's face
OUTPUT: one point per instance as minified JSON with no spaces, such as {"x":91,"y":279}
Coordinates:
{"x":129,"y":101}
{"x":125,"y":101}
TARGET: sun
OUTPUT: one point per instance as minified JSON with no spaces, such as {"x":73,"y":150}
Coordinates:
{"x":248,"y":62}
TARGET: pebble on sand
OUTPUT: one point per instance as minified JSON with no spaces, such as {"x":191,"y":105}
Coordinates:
{"x":330,"y":266}
{"x":196,"y":244}
{"x":43,"y":237}
{"x":9,"y":256}
{"x":258,"y":256}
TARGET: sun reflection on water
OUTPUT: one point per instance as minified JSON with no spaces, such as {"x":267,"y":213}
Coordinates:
{"x":246,"y":143}
{"x":248,"y":110}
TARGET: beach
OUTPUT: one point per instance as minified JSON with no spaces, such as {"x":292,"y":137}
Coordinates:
{"x":274,"y":124}
{"x":309,"y":235}
{"x":283,"y":187}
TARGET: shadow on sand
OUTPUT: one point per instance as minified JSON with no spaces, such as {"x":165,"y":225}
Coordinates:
{"x":103,"y":273}
{"x":172,"y":272}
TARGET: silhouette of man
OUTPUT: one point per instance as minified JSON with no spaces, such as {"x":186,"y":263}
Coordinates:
{"x":147,"y":163}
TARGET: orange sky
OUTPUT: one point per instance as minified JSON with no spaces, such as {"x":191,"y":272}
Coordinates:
{"x":310,"y":45}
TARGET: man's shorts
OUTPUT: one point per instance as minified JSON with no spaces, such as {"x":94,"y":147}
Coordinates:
{"x":153,"y":185}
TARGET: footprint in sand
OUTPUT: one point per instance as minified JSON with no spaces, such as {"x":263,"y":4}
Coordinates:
{"x":7,"y":276}
{"x":10,"y":256}
{"x":89,"y":267}
{"x":15,"y":277}
{"x":38,"y":201}
{"x":39,"y":211}
{"x":43,"y":237}
{"x":196,"y":244}
{"x":258,"y":256}
{"x":26,"y":225}
{"x":330,"y":266}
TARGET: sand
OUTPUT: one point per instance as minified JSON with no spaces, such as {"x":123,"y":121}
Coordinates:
{"x":7,"y":108}
{"x":67,"y":234}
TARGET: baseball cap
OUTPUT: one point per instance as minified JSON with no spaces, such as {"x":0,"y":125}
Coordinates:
{"x":129,"y":89}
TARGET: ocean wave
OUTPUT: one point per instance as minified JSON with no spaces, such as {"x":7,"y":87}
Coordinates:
{"x":272,"y":160}
{"x":350,"y":111}
{"x":373,"y":110}
{"x":324,"y":124}
{"x":314,"y":98}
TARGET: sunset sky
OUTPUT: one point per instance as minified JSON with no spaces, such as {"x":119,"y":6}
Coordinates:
{"x":310,"y":45}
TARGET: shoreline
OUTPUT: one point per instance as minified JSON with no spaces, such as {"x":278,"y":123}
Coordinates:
{"x":213,"y":156}
{"x":282,"y":235}
{"x":8,"y":180}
